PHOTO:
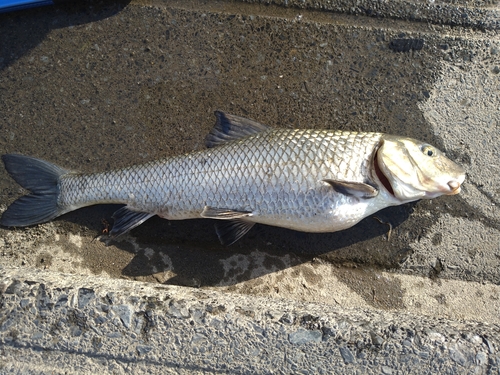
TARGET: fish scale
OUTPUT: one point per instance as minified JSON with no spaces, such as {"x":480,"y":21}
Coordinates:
{"x":303,"y":179}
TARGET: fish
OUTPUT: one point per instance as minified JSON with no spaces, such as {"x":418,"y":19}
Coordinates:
{"x":301,"y":179}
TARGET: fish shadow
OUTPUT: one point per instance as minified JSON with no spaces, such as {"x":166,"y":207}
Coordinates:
{"x":25,"y":29}
{"x":193,"y":256}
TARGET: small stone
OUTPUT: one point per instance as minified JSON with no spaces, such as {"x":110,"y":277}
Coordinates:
{"x":197,"y":315}
{"x":134,"y":299}
{"x":327,"y":332}
{"x":457,"y":356}
{"x":177,"y":310}
{"x":7,"y":324}
{"x":215,"y":309}
{"x":491,"y":348}
{"x":476,"y":340}
{"x":37,"y":335}
{"x":217,"y":324}
{"x":287,"y":319}
{"x":346,"y":355}
{"x":386,"y":370}
{"x":110,"y":296}
{"x":125,"y":314}
{"x":417,"y":340}
{"x":423,"y":355}
{"x":99,"y":320}
{"x":376,"y":339}
{"x":85,"y":295}
{"x":80,"y":319}
{"x":481,"y":358}
{"x":75,"y":331}
{"x":43,"y":299}
{"x":143,"y":349}
{"x":62,"y":301}
{"x":14,"y":288}
{"x":303,"y":336}
{"x":198,"y":338}
{"x":435,"y":336}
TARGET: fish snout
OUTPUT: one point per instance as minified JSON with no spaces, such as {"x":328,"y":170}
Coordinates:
{"x":454,"y":186}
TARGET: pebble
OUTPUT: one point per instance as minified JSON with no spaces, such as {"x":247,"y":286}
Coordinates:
{"x":143,"y":349}
{"x":435,"y":336}
{"x":346,"y":354}
{"x":491,"y":348}
{"x":85,"y":295}
{"x":457,"y":356}
{"x":43,"y":299}
{"x":287,"y":319}
{"x":125,"y":314}
{"x":177,"y":310}
{"x":481,"y":358}
{"x":14,"y":288}
{"x":376,"y":339}
{"x":304,"y":336}
{"x":62,"y":301}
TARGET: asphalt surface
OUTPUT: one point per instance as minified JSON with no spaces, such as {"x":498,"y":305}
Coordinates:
{"x":100,"y":85}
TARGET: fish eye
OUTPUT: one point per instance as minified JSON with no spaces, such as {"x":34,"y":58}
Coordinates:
{"x":428,"y":150}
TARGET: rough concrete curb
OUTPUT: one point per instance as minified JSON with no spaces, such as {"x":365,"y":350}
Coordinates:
{"x":477,"y":15}
{"x":64,"y":324}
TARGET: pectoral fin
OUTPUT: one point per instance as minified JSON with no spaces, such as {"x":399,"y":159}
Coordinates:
{"x":126,"y":219}
{"x":352,"y":188}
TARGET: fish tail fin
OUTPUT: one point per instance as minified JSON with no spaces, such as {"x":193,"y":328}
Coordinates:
{"x":41,"y":178}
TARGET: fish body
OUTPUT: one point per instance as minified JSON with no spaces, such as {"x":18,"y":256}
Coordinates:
{"x":306,"y":180}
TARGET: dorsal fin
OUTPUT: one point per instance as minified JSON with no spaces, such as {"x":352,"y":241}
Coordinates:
{"x":230,"y":127}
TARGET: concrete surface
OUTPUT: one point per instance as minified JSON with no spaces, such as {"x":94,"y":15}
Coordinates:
{"x":53,"y":325}
{"x":101,"y":85}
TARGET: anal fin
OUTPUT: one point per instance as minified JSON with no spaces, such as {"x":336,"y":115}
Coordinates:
{"x":230,"y":225}
{"x":127,"y":219}
{"x":230,"y":231}
{"x":352,"y":188}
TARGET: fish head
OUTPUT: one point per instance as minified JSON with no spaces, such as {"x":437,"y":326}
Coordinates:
{"x":412,"y":170}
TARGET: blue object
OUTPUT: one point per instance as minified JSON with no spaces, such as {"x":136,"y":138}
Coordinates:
{"x":12,"y":5}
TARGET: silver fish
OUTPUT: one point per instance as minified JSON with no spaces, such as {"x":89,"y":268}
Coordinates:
{"x":306,"y":180}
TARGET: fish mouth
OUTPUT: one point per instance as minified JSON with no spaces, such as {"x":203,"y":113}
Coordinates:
{"x":455,"y":187}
